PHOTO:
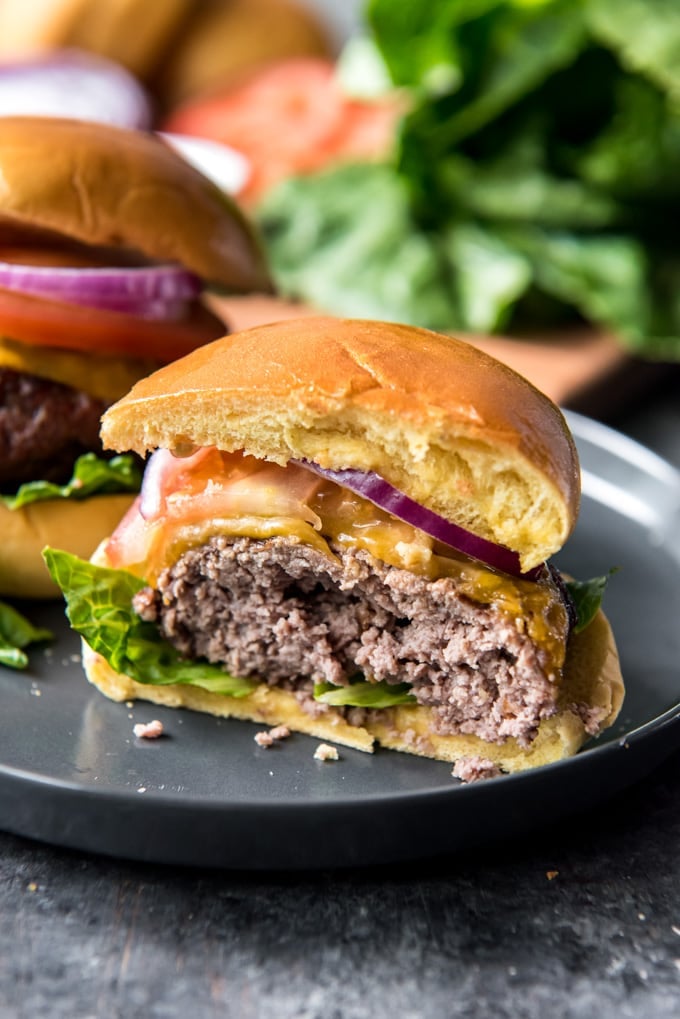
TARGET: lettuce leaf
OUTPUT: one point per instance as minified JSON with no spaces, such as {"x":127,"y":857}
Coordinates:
{"x":587,"y":597}
{"x":99,"y":608}
{"x":362,"y":694}
{"x":17,"y":633}
{"x":533,"y":181}
{"x":92,"y":475}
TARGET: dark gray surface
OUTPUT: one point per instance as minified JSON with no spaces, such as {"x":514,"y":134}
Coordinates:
{"x":73,"y":774}
{"x":576,"y":920}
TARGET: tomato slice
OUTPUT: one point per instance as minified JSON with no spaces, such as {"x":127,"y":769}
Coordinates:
{"x":290,"y":118}
{"x":46,"y":323}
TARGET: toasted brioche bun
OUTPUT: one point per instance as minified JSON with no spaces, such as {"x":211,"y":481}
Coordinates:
{"x":73,"y":526}
{"x":592,"y":677}
{"x":122,"y":189}
{"x":135,"y":33}
{"x":448,"y":425}
{"x":226,"y":38}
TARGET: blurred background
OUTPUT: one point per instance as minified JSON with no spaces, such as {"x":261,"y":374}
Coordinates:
{"x":506,"y":170}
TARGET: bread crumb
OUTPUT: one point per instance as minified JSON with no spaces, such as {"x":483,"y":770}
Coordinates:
{"x":475,"y":769}
{"x":325,"y":752}
{"x":266,"y":739}
{"x":148,"y":730}
{"x":263,"y":739}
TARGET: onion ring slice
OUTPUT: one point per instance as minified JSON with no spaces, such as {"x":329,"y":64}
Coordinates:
{"x":156,"y":292}
{"x":378,"y":491}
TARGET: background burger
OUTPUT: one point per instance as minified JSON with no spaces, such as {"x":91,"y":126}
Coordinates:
{"x":177,"y":48}
{"x":107,"y":238}
{"x":344,"y":529}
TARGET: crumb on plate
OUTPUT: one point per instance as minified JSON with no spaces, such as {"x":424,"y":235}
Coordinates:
{"x":474,"y":769}
{"x":148,"y":730}
{"x":325,"y":752}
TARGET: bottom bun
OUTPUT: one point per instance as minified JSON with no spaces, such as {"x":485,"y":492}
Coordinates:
{"x":592,"y":677}
{"x":68,"y":524}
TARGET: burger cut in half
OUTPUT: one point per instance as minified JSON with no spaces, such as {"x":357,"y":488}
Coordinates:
{"x":107,"y":239}
{"x":345,"y":528}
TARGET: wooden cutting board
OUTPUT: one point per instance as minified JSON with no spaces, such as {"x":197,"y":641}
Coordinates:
{"x":580,"y":368}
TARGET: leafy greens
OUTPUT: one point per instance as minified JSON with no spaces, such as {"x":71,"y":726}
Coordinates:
{"x":99,"y":608}
{"x":536,"y":176}
{"x":17,"y":633}
{"x":586,"y":596}
{"x":92,"y":475}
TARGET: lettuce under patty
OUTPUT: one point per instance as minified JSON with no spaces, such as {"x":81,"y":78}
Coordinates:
{"x":362,"y":694}
{"x":99,"y":608}
{"x":92,"y":475}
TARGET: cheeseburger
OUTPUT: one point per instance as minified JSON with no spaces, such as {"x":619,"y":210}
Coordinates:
{"x":344,"y":528}
{"x":107,"y":238}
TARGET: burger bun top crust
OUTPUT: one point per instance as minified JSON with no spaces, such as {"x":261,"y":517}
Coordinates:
{"x":122,"y":189}
{"x":443,"y":422}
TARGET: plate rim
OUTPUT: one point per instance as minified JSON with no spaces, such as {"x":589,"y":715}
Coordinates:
{"x":584,"y":429}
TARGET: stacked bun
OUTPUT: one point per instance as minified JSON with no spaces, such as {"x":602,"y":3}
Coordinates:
{"x":84,"y":199}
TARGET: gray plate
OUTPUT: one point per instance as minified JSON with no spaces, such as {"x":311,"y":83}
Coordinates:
{"x":72,"y":773}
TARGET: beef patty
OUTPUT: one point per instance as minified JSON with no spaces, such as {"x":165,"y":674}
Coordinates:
{"x":289,"y":614}
{"x":44,"y":427}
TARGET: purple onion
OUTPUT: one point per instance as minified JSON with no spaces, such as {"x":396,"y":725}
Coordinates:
{"x":159,"y":292}
{"x":73,"y":83}
{"x":378,"y":491}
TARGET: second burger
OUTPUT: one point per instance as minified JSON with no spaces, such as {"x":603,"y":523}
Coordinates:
{"x":107,"y":240}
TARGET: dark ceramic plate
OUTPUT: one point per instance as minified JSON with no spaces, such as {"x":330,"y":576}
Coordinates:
{"x":72,"y":773}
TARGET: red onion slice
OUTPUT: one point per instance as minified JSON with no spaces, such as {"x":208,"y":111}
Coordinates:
{"x":157,"y":292}
{"x":151,"y":496}
{"x":73,"y":83}
{"x":378,"y":491}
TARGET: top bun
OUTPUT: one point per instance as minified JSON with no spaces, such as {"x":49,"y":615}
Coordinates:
{"x":125,"y":189}
{"x":443,"y":422}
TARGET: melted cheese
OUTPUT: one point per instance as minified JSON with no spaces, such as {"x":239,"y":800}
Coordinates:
{"x":210,"y":493}
{"x":104,"y":377}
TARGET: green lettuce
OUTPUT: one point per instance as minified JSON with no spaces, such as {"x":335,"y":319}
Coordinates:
{"x":99,"y":608}
{"x":17,"y":633}
{"x":587,"y":598}
{"x":92,"y":475}
{"x":362,"y":694}
{"x":534,"y":180}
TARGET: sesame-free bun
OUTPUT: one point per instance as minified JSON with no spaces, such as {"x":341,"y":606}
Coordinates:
{"x":443,"y":422}
{"x":122,"y":189}
{"x":67,"y":524}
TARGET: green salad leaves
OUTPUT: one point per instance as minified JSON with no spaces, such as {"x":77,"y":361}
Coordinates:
{"x":535,"y":179}
{"x":92,"y":475}
{"x":99,"y":608}
{"x":587,"y":598}
{"x":17,"y":633}
{"x":362,"y":694}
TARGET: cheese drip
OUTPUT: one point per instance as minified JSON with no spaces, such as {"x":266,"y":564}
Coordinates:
{"x":212,"y":493}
